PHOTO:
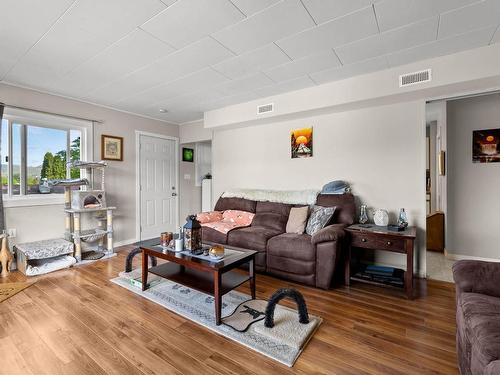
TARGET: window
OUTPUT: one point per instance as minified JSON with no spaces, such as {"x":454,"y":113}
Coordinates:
{"x":35,"y":149}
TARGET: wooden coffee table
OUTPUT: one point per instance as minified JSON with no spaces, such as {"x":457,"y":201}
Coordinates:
{"x":215,"y":278}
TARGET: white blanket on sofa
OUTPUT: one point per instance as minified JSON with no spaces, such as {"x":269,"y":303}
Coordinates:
{"x":279,"y":196}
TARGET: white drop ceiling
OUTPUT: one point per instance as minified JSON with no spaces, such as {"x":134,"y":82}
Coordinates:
{"x":190,"y":56}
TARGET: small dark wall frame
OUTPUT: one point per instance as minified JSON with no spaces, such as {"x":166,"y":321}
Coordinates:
{"x":188,"y":154}
{"x":116,"y":155}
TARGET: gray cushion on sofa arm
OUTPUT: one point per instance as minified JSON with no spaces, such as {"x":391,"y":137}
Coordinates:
{"x":477,"y":277}
{"x":332,"y":232}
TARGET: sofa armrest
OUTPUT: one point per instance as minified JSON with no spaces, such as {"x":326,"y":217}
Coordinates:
{"x":477,"y":277}
{"x":329,"y":233}
{"x":493,"y":368}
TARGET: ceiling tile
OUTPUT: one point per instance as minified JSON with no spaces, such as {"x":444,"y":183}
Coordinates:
{"x":246,"y":84}
{"x":194,"y":57}
{"x":23,"y":23}
{"x":116,"y":61}
{"x":287,"y":86}
{"x":346,"y":71}
{"x":266,"y":26}
{"x":396,"y":13}
{"x":252,"y":62}
{"x":60,"y":51}
{"x":301,"y":67}
{"x":112,"y":19}
{"x":187,"y":21}
{"x":323,"y":11}
{"x":337,"y":32}
{"x":473,"y":39}
{"x":496,"y":37}
{"x":389,"y":41}
{"x":471,"y":17}
{"x":249,"y":7}
{"x":201,"y":80}
{"x":229,"y":100}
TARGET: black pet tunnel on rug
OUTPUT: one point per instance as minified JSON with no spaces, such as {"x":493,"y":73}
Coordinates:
{"x":130,"y":257}
{"x":278,"y":296}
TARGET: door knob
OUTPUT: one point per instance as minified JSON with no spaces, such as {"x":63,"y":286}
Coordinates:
{"x":363,"y":240}
{"x":174,"y":194}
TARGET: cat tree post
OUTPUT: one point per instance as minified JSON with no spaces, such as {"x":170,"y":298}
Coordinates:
{"x":76,"y":236}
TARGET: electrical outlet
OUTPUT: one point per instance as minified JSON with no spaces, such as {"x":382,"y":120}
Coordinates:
{"x":12,"y":232}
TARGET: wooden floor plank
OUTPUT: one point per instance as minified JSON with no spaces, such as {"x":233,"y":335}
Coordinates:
{"x":76,"y":321}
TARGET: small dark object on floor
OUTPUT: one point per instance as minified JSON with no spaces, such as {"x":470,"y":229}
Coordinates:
{"x":130,"y":257}
{"x":278,"y":296}
{"x":92,"y":255}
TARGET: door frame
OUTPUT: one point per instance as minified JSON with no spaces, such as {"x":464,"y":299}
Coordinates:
{"x":138,"y":134}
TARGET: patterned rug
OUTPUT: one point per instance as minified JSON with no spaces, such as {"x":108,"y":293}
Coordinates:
{"x":199,"y":308}
{"x":7,"y":290}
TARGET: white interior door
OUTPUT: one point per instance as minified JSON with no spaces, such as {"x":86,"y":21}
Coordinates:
{"x":158,"y":186}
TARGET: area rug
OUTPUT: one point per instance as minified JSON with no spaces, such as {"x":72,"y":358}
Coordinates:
{"x":199,"y":308}
{"x":7,"y":290}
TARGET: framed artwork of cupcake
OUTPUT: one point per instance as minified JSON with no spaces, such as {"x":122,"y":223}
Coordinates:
{"x":486,"y":146}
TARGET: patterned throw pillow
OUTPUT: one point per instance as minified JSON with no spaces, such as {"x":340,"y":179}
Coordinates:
{"x":320,"y":216}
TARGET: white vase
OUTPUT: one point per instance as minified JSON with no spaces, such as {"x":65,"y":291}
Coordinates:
{"x":381,"y":218}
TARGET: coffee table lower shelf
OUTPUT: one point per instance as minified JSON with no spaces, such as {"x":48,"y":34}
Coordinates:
{"x":199,"y":280}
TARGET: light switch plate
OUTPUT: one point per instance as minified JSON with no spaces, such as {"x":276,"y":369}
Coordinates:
{"x":187,"y":176}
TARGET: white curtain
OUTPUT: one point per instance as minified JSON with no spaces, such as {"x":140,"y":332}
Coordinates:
{"x":203,"y":161}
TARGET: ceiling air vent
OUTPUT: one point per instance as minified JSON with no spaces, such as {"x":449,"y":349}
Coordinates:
{"x":266,"y":108}
{"x":415,"y":78}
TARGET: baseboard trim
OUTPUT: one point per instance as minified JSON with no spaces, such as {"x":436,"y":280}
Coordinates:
{"x":467,"y":257}
{"x":124,"y":242}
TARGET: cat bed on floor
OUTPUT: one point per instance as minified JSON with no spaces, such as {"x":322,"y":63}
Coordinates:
{"x":31,"y":256}
{"x":42,"y":266}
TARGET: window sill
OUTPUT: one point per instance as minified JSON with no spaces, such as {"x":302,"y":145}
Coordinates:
{"x":29,"y":201}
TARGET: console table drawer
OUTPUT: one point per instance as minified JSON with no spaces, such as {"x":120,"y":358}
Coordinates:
{"x":370,"y":241}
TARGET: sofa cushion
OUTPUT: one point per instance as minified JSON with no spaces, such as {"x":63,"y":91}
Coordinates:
{"x":272,"y":215}
{"x":481,"y":314}
{"x":297,"y":220}
{"x":211,"y":235}
{"x":293,"y":246}
{"x":253,"y":238}
{"x":241,"y":204}
{"x":345,"y":211}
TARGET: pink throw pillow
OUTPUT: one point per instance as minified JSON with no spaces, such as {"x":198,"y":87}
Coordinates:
{"x":208,"y":217}
{"x":241,"y":218}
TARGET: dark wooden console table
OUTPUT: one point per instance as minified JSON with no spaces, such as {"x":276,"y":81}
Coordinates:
{"x":380,"y":238}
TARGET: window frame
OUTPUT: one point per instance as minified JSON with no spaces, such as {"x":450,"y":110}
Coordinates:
{"x":32,"y":118}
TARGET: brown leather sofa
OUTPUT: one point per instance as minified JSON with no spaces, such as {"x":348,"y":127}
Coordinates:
{"x":297,"y":257}
{"x":478,"y":317}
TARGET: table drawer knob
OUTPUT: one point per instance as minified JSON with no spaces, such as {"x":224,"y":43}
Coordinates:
{"x":389,"y":243}
{"x":363,"y":240}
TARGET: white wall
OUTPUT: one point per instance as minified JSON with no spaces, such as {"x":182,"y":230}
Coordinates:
{"x":380,"y":151}
{"x":45,"y":222}
{"x":194,"y":132}
{"x":190,"y":193}
{"x":473,"y":189}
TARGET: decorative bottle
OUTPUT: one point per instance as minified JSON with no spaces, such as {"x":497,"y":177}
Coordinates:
{"x":402,"y":218}
{"x":363,"y":216}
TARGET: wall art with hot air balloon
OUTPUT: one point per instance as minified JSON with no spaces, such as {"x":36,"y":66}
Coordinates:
{"x":301,"y":142}
{"x":486,"y":146}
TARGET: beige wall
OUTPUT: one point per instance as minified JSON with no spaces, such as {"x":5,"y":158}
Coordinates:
{"x":44,"y":222}
{"x":473,"y":203}
{"x":194,"y":132}
{"x":380,"y":151}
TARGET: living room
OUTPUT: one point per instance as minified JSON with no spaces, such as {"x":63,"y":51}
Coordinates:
{"x":233,"y":186}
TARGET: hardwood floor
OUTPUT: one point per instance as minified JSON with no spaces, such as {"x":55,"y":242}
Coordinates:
{"x":76,"y":322}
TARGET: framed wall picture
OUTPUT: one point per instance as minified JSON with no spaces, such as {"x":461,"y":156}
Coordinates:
{"x":111,"y":148}
{"x":486,"y":146}
{"x":188,"y":154}
{"x":301,"y":143}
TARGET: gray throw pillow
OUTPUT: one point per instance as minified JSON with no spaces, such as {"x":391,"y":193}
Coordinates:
{"x":320,"y":217}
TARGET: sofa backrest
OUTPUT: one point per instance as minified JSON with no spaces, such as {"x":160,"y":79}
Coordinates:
{"x":345,"y":213}
{"x":241,"y":204}
{"x":272,"y":215}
